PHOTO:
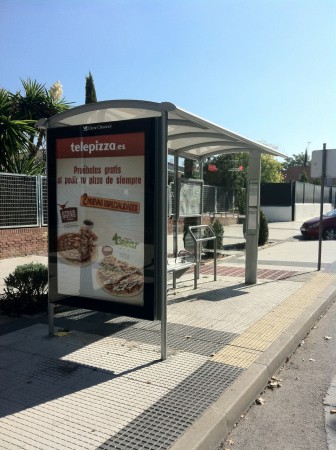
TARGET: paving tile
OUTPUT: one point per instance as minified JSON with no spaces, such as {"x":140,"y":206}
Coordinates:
{"x":9,"y":379}
{"x":236,"y":356}
{"x":249,"y":341}
{"x":12,"y":339}
{"x":159,"y":425}
{"x":103,"y":383}
{"x":37,"y":330}
{"x":28,"y":392}
{"x":8,"y":407}
{"x":9,"y":357}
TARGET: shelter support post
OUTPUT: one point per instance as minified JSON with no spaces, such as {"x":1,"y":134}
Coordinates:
{"x":175,"y":208}
{"x":252,"y":216}
{"x":161,"y":250}
{"x":51,"y":315}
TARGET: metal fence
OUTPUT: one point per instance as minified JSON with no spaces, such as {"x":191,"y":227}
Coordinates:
{"x":23,"y":201}
{"x":215,"y":200}
{"x":287,"y":194}
{"x":218,"y":200}
{"x":311,"y":193}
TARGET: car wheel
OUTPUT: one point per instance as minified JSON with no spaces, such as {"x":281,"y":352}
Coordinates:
{"x":329,"y":234}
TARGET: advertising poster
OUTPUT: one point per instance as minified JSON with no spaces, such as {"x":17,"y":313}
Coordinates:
{"x":100,"y":186}
{"x":190,"y":193}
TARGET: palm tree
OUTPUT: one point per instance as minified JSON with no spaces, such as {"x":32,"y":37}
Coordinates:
{"x":38,"y":102}
{"x":22,"y":146}
{"x":14,"y":136}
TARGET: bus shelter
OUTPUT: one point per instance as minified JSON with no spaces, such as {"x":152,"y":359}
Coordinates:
{"x":107,"y":164}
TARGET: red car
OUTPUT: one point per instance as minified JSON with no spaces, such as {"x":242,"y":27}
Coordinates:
{"x":310,"y":228}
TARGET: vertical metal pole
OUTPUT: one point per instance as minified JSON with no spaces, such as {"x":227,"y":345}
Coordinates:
{"x":39,"y":200}
{"x":202,"y":188}
{"x":215,"y":259}
{"x":196,"y":248}
{"x":161,"y":241}
{"x":323,"y":175}
{"x":252,"y":217}
{"x":51,"y":315}
{"x":177,"y":209}
{"x":216,"y":206}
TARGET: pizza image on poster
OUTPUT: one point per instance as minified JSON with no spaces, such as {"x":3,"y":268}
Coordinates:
{"x":119,"y":278}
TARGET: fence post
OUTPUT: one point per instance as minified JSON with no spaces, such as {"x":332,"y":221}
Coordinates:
{"x":293,"y":186}
{"x":216,"y":207}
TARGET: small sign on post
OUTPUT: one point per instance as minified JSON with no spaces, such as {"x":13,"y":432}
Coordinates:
{"x":323,"y":165}
{"x":317,"y":162}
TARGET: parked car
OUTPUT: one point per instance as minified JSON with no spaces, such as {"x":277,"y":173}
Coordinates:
{"x":310,"y":228}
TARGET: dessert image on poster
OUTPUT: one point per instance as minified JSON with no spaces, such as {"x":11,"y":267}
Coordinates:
{"x":100,"y":230}
{"x":78,"y":248}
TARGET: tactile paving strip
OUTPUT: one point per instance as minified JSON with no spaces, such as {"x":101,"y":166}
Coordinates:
{"x":243,"y":357}
{"x":160,"y":425}
{"x":244,"y":349}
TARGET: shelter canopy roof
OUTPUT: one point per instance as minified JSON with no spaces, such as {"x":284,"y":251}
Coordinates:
{"x":189,"y":136}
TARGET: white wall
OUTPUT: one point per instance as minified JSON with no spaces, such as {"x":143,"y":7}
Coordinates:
{"x":303,"y":211}
{"x":278,"y":213}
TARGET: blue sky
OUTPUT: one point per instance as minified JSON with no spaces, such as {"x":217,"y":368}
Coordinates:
{"x":262,"y":68}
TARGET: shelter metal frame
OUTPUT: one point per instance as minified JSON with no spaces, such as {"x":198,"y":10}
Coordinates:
{"x":185,"y":135}
{"x":188,"y":136}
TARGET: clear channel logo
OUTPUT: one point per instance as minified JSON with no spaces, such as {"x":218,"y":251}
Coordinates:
{"x":96,"y":127}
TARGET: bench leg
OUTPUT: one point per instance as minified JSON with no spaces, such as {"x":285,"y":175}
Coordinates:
{"x":174,"y":279}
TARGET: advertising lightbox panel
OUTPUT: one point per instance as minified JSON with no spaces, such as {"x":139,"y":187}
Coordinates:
{"x":101,"y":219}
{"x":190,"y":192}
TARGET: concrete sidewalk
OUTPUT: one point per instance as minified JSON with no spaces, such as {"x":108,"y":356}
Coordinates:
{"x":100,"y":383}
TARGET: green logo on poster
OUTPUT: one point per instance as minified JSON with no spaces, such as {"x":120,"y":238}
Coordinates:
{"x":124,"y":242}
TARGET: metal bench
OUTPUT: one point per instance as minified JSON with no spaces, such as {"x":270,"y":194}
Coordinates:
{"x":179,"y":265}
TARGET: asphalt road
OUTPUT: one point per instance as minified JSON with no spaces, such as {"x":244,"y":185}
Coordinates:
{"x":292,"y":416}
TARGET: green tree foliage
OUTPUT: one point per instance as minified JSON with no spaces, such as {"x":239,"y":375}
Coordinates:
{"x":22,"y":146}
{"x":305,"y":161}
{"x":304,"y":177}
{"x":228,"y":174}
{"x":188,"y":168}
{"x":90,"y":91}
{"x":14,"y":135}
{"x":232,"y":170}
{"x":271,"y":169}
{"x":301,"y":159}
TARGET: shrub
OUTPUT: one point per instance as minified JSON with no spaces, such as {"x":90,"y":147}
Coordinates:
{"x":240,"y":200}
{"x":25,"y":290}
{"x":263,"y":229}
{"x":218,"y":229}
